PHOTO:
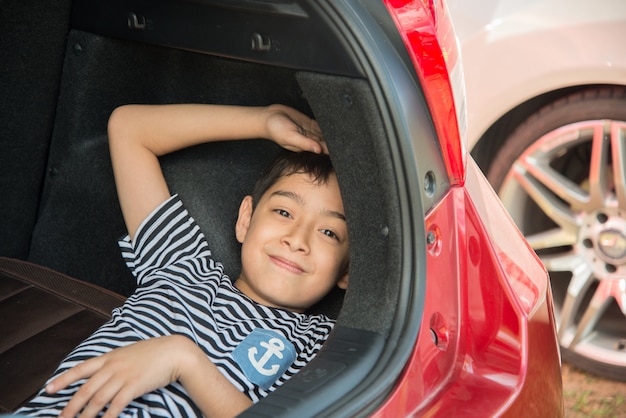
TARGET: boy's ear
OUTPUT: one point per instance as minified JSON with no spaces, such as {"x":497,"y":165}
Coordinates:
{"x":342,"y":283}
{"x":243,"y":220}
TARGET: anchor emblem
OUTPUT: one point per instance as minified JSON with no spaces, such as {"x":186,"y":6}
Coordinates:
{"x":274,"y":347}
{"x":263,"y":356}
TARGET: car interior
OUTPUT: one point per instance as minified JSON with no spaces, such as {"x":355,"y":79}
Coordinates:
{"x":68,"y":65}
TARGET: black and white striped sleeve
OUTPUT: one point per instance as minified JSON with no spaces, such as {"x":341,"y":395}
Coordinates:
{"x":168,"y":235}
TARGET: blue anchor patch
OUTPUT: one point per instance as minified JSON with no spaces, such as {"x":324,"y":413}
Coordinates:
{"x":263,"y":356}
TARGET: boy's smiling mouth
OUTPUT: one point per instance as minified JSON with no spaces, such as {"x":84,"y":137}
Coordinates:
{"x":286,"y":264}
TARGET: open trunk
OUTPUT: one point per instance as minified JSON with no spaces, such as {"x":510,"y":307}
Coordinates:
{"x":67,"y":66}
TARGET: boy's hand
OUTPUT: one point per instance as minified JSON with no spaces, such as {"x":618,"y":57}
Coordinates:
{"x":118,"y":377}
{"x":293,"y":130}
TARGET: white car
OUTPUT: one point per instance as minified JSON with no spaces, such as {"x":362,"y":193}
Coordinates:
{"x":546,"y":105}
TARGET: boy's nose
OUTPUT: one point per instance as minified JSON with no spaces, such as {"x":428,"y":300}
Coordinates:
{"x":297,"y":238}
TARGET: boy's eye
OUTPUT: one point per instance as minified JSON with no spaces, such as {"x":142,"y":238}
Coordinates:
{"x":283,"y":213}
{"x":329,"y":233}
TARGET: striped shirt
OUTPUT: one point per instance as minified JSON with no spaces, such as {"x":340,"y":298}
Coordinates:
{"x":182,"y":290}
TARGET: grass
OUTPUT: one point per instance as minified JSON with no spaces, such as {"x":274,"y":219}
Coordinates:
{"x":586,"y":395}
{"x":587,"y":404}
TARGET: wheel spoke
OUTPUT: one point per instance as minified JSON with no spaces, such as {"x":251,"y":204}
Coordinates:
{"x":554,"y":181}
{"x":582,"y":273}
{"x":607,"y":290}
{"x":598,"y":170}
{"x":553,"y":238}
{"x":546,"y":200}
{"x":582,"y":278}
{"x":617,"y":289}
{"x":618,"y":145}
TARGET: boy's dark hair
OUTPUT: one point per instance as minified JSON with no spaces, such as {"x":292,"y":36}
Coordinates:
{"x":287,"y":163}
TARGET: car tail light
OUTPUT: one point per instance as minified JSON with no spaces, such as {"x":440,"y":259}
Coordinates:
{"x":427,"y":31}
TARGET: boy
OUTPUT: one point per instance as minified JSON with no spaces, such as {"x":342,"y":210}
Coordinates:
{"x":189,"y":342}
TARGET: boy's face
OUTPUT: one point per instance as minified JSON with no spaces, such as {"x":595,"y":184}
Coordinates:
{"x":294,"y":243}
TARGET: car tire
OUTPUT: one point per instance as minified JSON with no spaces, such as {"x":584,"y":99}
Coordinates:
{"x":562,"y":176}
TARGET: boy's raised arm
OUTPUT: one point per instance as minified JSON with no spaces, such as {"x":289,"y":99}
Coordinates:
{"x":139,"y":134}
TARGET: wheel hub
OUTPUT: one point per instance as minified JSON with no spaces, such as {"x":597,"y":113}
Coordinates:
{"x":612,"y":244}
{"x":602,"y":242}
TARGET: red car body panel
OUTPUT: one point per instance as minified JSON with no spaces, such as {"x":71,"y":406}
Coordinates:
{"x":488,"y":309}
{"x":487,"y":345}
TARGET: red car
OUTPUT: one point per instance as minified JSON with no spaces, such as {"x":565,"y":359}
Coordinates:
{"x":448,"y":312}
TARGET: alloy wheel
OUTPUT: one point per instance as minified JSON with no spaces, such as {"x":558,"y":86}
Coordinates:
{"x":575,"y":219}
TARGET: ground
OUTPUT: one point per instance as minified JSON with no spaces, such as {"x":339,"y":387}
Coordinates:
{"x":586,"y":395}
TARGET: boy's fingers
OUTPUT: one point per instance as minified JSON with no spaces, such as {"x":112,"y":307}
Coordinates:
{"x":98,"y":401}
{"x":295,"y":131}
{"x":312,"y":141}
{"x":314,"y":133}
{"x":72,"y":375}
{"x":308,"y":144}
{"x":324,"y":147}
{"x":91,"y":398}
{"x":318,"y":144}
{"x":315,"y":128}
{"x":310,"y":128}
{"x":61,"y":382}
{"x":117,"y":405}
